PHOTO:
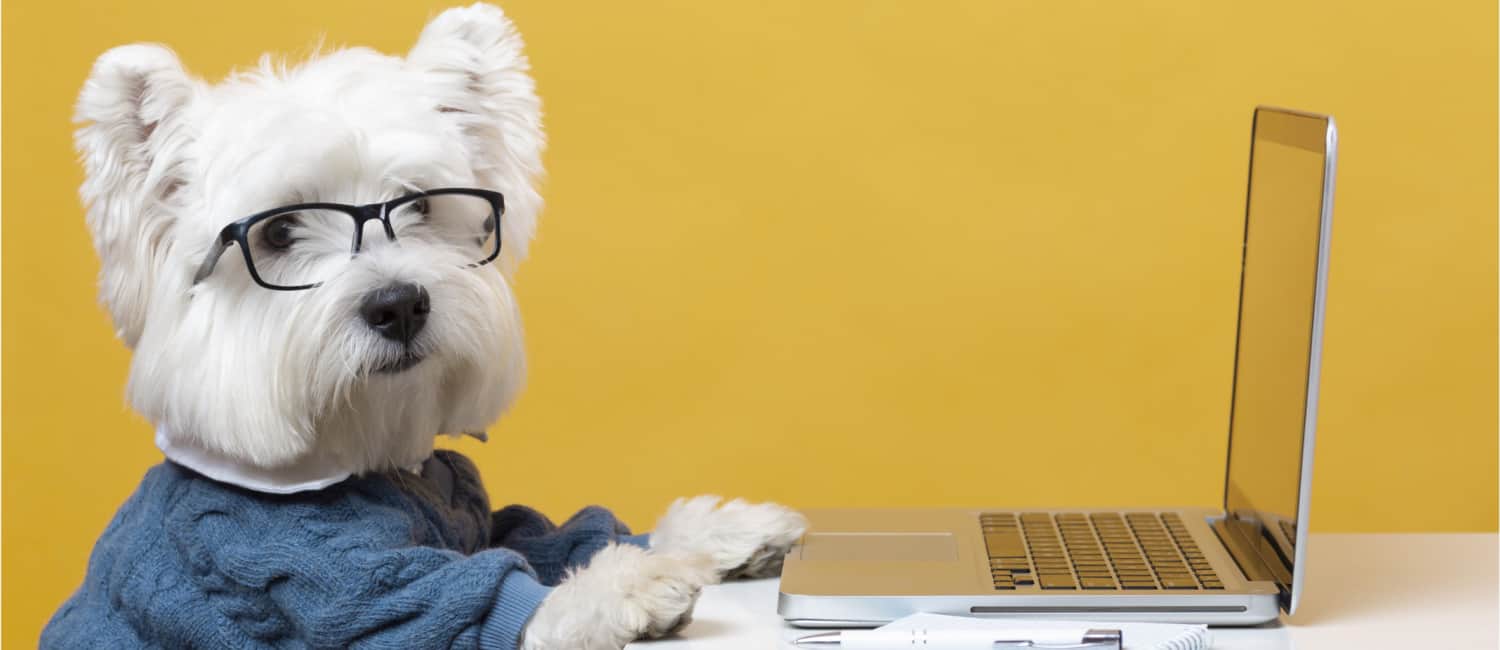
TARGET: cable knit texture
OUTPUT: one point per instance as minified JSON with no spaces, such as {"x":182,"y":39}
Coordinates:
{"x":393,"y":560}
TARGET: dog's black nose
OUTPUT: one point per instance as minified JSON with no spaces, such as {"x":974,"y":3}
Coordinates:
{"x":397,"y":311}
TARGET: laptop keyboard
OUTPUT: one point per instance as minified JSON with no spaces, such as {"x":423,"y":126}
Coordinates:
{"x":1094,"y":551}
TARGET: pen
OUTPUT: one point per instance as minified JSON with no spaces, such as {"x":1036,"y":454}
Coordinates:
{"x":1050,"y":638}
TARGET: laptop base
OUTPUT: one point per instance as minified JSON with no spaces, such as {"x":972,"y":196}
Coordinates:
{"x":865,"y":568}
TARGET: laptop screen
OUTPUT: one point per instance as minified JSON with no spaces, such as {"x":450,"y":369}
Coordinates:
{"x":1274,"y":402}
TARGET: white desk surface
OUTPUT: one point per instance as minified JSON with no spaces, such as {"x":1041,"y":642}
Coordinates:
{"x":1408,"y":591}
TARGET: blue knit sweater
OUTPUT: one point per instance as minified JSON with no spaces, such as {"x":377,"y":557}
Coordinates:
{"x":390,"y":560}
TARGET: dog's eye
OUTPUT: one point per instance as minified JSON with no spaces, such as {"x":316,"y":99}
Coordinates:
{"x":279,"y":234}
{"x":487,"y":228}
{"x":420,"y":207}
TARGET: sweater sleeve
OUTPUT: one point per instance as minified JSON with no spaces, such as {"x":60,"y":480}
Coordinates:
{"x":418,"y":597}
{"x":334,"y":588}
{"x":551,"y":549}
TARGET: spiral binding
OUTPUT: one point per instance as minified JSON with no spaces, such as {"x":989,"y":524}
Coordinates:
{"x":1194,"y":639}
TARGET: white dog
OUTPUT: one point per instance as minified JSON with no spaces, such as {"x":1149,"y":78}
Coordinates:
{"x":271,"y":358}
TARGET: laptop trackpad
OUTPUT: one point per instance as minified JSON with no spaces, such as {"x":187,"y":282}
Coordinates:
{"x":885,"y":547}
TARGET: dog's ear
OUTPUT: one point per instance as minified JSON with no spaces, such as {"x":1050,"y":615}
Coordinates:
{"x":474,"y":53}
{"x":131,"y":141}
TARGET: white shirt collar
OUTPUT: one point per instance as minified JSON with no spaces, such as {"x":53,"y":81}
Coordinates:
{"x":301,"y":476}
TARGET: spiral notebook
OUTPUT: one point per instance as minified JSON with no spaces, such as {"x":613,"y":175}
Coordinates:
{"x":1134,"y":636}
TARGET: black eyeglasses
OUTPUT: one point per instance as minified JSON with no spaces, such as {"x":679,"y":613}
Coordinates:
{"x":301,"y":246}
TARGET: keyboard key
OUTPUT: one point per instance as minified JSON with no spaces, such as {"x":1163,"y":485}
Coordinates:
{"x":1058,"y":582}
{"x":1003,"y":540}
{"x":1098,"y":583}
{"x":1179,"y":583}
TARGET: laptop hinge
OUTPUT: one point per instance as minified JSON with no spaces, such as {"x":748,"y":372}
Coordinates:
{"x":1231,"y":533}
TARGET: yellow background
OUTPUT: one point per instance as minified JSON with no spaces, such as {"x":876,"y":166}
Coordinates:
{"x":863,"y":253}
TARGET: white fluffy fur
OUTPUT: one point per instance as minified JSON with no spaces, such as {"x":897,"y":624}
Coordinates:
{"x":743,"y":539}
{"x":269,"y":378}
{"x":624,"y":594}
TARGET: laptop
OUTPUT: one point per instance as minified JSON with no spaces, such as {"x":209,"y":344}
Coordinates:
{"x":1240,"y":564}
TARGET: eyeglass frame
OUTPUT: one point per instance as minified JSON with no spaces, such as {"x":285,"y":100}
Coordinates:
{"x":237,"y":232}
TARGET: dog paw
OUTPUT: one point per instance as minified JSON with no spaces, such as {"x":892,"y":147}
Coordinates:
{"x":745,"y":540}
{"x":625,"y":593}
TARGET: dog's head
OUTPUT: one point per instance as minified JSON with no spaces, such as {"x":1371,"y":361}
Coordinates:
{"x":405,"y":339}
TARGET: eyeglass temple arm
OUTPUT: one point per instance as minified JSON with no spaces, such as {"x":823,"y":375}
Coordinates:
{"x":220,"y":245}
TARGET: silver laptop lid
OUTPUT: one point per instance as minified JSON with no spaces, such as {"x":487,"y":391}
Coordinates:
{"x":1278,"y":347}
